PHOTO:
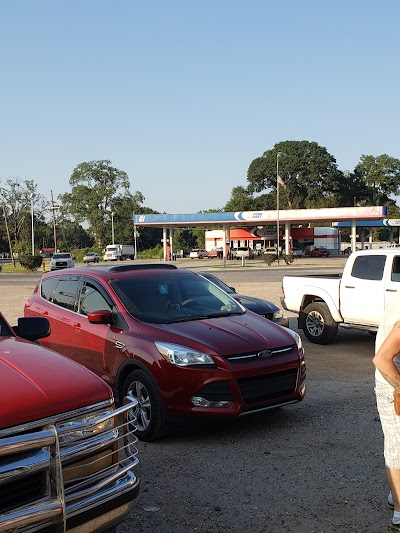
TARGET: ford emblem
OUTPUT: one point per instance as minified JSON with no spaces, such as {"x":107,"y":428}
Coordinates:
{"x":264,"y":354}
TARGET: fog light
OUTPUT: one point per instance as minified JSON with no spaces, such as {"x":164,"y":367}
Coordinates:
{"x":198,"y":401}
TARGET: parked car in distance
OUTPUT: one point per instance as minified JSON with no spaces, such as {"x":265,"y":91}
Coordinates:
{"x":172,"y":340}
{"x":271,"y":251}
{"x":348,"y":251}
{"x":61,"y":260}
{"x":245,"y":252}
{"x":216,"y":253}
{"x":257,"y":305}
{"x":297,"y":252}
{"x":65,"y":464}
{"x":320,"y":252}
{"x":198,"y":254}
{"x":91,"y":257}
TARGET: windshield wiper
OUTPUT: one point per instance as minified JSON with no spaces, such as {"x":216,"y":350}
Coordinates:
{"x":202,"y":317}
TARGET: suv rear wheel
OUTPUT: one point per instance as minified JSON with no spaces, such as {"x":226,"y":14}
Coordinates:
{"x":149,"y":415}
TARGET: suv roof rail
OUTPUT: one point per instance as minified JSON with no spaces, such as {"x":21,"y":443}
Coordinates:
{"x":148,"y":266}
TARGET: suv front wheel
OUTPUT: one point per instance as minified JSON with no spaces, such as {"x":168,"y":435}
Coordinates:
{"x":149,"y":416}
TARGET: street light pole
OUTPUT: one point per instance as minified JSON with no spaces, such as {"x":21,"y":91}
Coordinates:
{"x":277,"y":202}
{"x":134,"y":234}
{"x":112,"y":226}
{"x":32,"y":227}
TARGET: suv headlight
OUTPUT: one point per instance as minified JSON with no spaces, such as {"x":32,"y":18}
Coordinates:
{"x":298,"y":340}
{"x":183,"y":356}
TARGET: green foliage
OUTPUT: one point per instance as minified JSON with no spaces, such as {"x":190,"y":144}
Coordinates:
{"x":153,"y":253}
{"x":96,"y":187}
{"x":309,"y":172}
{"x":79,"y":253}
{"x":72,"y":235}
{"x":268,"y":258}
{"x":184,"y":239}
{"x":30,"y":262}
{"x":380,"y":176}
{"x":241,"y":200}
{"x":18,"y":198}
{"x":288,"y":258}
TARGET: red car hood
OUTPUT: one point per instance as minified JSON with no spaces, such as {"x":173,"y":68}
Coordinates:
{"x":225,"y":335}
{"x":37,"y":383}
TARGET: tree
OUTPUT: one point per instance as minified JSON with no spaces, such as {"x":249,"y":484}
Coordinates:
{"x":71,"y":235}
{"x":18,"y":197}
{"x":241,"y":200}
{"x":96,"y":187}
{"x":308,"y":171}
{"x":380,"y":176}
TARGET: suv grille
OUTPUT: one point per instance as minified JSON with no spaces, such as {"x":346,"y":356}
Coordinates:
{"x":268,"y":387}
{"x":249,"y":357}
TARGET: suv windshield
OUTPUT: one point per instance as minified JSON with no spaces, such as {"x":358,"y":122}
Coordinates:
{"x":61,"y":256}
{"x":174,"y":299}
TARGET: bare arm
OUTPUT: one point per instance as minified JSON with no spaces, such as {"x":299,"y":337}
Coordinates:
{"x":383,"y":359}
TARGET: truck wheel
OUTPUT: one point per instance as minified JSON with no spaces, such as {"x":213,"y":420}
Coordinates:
{"x":150,"y":419}
{"x":319,"y":326}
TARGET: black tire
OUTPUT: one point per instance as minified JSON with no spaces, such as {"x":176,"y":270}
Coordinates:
{"x":319,"y":326}
{"x":150,"y":414}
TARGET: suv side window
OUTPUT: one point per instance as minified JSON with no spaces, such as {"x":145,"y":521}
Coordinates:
{"x":47,"y":288}
{"x":66,"y":293}
{"x":91,"y":299}
{"x":369,"y":267}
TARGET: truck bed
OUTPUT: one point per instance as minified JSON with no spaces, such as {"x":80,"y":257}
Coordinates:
{"x":318,"y":276}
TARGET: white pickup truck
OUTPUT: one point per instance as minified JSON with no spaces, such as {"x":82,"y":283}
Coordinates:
{"x":354,"y":299}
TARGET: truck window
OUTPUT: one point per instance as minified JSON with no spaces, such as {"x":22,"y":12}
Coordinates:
{"x":369,"y":267}
{"x":396,"y":269}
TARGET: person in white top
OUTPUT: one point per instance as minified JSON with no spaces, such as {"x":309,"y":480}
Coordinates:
{"x":387,"y":380}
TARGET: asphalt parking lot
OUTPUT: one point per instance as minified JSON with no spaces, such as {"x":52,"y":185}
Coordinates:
{"x":315,"y":466}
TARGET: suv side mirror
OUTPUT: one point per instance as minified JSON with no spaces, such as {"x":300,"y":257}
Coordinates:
{"x":100,"y":317}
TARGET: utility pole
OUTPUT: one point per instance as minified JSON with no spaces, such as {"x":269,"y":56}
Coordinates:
{"x":53,"y":208}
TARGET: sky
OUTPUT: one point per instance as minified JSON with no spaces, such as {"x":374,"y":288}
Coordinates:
{"x":182,"y":95}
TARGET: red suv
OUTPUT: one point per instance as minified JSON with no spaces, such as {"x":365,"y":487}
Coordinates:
{"x":171,"y":339}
